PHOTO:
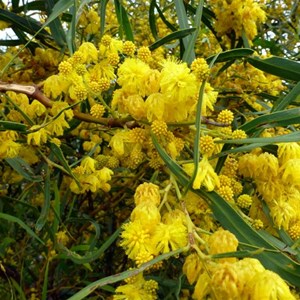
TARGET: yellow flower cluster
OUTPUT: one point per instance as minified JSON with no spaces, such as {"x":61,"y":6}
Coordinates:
{"x":237,"y":16}
{"x":169,"y":94}
{"x":89,"y":178}
{"x":149,"y":233}
{"x":230,"y":278}
{"x":277,"y":181}
{"x":137,"y":288}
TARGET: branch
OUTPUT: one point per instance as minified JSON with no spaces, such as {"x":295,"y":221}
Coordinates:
{"x":34,"y":92}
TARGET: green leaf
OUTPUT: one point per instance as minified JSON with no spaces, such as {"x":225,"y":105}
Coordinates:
{"x":40,"y":223}
{"x":282,"y":67}
{"x":152,"y":19}
{"x":102,"y":13}
{"x":292,"y":96}
{"x":18,"y":289}
{"x":90,"y":255}
{"x":56,"y":151}
{"x":9,"y":125}
{"x":123,"y":20}
{"x":45,"y":284}
{"x":285,"y":138}
{"x":121,"y":276}
{"x":189,"y":53}
{"x":231,"y":55}
{"x":24,"y":169}
{"x":60,"y":7}
{"x":56,"y":28}
{"x":171,"y":37}
{"x":34,"y":5}
{"x":26,"y":24}
{"x":56,"y":208}
{"x":22,"y":224}
{"x":183,"y":23}
{"x":231,"y":220}
{"x":70,"y":36}
{"x":278,"y":118}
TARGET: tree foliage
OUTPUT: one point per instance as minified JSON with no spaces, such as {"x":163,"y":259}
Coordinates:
{"x":150,"y":149}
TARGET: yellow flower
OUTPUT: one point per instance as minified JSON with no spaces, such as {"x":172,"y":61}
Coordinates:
{"x":192,"y":267}
{"x":288,"y":151}
{"x":58,"y":106}
{"x":9,"y":149}
{"x":155,"y":107}
{"x":89,"y":52}
{"x":88,"y":165}
{"x":55,"y":85}
{"x":169,"y":237}
{"x":147,"y":213}
{"x":291,"y":172}
{"x":267,"y":285}
{"x":118,"y":141}
{"x":57,"y":126}
{"x":282,"y":213}
{"x":132,"y":76}
{"x":136,"y":239}
{"x":137,"y":288}
{"x":222,"y":241}
{"x":147,"y":192}
{"x":37,"y":137}
{"x":37,"y":108}
{"x":205,"y":176}
{"x":177,"y":83}
{"x":135,"y":106}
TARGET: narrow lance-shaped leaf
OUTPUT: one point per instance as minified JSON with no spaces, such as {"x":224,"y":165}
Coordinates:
{"x":40,"y":223}
{"x":22,"y":224}
{"x":189,"y":53}
{"x":183,"y":23}
{"x":231,"y":55}
{"x":171,"y":37}
{"x":282,"y":67}
{"x":286,"y":117}
{"x":56,"y":28}
{"x":292,"y":96}
{"x":121,"y":276}
{"x":24,"y":169}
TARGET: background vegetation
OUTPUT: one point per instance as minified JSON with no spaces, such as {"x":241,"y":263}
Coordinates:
{"x":150,"y":149}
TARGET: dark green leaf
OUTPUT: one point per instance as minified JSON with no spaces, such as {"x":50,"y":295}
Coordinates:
{"x":22,"y":224}
{"x":70,"y":36}
{"x":56,"y":28}
{"x":34,"y":5}
{"x":189,"y":53}
{"x":121,"y":276}
{"x":60,"y":7}
{"x":102,"y":13}
{"x":171,"y":37}
{"x":46,"y":205}
{"x":26,"y":24}
{"x":183,"y":21}
{"x":152,"y":19}
{"x":292,"y":96}
{"x":125,"y":27}
{"x":282,"y":67}
{"x":23,"y":168}
{"x":90,"y":255}
{"x":45,"y":284}
{"x":61,"y":158}
{"x":278,"y":118}
{"x":8,"y":125}
{"x":231,"y":55}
